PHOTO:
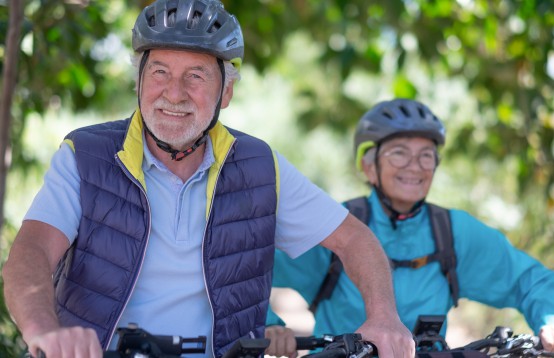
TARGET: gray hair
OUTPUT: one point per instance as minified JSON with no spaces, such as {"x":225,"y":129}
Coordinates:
{"x":232,"y":74}
{"x":369,"y":156}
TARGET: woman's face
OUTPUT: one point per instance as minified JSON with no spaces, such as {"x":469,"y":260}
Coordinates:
{"x":406,"y":169}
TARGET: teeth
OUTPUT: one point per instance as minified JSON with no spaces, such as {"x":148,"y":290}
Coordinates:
{"x":165,"y":111}
{"x":411,"y":181}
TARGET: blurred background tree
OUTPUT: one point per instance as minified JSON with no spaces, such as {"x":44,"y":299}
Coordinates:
{"x":312,"y":68}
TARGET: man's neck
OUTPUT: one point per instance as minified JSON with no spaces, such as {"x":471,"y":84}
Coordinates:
{"x":184,"y":168}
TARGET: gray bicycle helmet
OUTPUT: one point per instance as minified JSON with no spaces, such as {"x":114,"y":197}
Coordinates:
{"x":196,"y":25}
{"x":395,"y":118}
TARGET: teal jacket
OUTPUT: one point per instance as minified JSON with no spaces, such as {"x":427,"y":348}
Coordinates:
{"x":490,"y":270}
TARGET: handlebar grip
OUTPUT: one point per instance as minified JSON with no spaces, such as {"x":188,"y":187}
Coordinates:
{"x":309,"y":343}
{"x":329,"y":353}
{"x":108,"y":354}
{"x":482,"y":344}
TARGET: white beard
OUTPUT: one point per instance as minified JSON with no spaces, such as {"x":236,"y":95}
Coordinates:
{"x":178,"y":134}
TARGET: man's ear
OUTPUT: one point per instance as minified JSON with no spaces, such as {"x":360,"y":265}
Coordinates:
{"x":227,"y":95}
{"x":370,"y":172}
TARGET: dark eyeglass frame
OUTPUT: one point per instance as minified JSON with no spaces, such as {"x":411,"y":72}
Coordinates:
{"x":424,"y":165}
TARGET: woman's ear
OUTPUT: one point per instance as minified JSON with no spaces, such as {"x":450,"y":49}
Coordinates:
{"x":370,"y":172}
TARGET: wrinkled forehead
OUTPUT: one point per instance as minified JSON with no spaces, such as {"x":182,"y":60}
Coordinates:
{"x":412,"y":142}
{"x":173,"y":55}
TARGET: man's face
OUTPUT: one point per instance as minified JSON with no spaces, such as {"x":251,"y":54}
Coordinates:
{"x":406,"y":167}
{"x":180,"y":91}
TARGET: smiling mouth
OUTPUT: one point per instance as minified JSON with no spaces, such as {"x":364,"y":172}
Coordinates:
{"x":410,"y":181}
{"x":174,"y":114}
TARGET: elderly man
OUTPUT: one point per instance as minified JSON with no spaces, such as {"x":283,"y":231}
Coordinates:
{"x":169,"y":220}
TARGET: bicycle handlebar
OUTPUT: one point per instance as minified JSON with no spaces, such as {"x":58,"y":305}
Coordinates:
{"x":247,"y":348}
{"x":135,"y":342}
{"x":310,"y":343}
{"x":507,"y":345}
{"x":350,"y":345}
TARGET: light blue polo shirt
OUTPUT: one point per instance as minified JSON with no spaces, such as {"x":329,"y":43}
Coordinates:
{"x":170,"y":295}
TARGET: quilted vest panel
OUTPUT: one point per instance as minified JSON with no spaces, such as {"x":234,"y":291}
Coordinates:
{"x":240,"y":242}
{"x":97,"y":274}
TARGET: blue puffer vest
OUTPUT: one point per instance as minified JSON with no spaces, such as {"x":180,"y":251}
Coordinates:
{"x":97,"y":276}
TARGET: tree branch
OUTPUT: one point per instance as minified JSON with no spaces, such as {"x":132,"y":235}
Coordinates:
{"x":8,"y":88}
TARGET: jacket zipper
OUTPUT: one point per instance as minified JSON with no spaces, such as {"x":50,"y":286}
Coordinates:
{"x":134,"y":181}
{"x":203,"y":246}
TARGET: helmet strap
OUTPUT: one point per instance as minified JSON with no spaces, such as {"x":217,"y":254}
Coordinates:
{"x":179,"y":155}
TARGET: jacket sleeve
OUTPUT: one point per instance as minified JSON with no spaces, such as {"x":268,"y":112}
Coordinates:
{"x":303,"y":274}
{"x":273,"y":319}
{"x":494,"y":272}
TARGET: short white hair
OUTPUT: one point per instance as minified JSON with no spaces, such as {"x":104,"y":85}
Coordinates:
{"x":369,"y":156}
{"x":232,"y":74}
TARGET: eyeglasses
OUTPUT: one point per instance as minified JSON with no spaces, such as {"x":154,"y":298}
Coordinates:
{"x":400,"y":158}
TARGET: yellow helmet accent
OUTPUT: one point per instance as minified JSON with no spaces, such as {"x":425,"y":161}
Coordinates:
{"x":360,"y":152}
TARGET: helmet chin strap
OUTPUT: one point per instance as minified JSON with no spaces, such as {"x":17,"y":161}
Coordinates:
{"x":179,"y":155}
{"x":394,"y":215}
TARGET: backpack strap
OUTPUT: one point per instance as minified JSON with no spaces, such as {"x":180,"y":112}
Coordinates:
{"x":444,"y":243}
{"x":329,"y":283}
{"x":359,"y":207}
{"x":444,"y":252}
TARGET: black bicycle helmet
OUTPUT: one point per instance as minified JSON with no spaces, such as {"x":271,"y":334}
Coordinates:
{"x":395,"y":118}
{"x":196,"y":25}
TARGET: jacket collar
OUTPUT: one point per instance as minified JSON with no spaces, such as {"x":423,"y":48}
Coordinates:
{"x":132,"y":153}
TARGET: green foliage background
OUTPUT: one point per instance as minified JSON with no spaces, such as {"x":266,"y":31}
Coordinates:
{"x":312,"y":68}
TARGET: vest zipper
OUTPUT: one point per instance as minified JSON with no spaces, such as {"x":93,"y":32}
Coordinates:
{"x":134,"y":181}
{"x":203,"y":246}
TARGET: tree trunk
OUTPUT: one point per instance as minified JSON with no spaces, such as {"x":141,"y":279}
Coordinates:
{"x":15,"y":8}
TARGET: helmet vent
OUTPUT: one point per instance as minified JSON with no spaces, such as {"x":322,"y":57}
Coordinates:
{"x":421,"y":113}
{"x":150,"y":18}
{"x":232,"y":42}
{"x":193,"y":22}
{"x":197,"y":9}
{"x":387,"y":114}
{"x":404,"y":111}
{"x":171,"y":17}
{"x":215,"y":26}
